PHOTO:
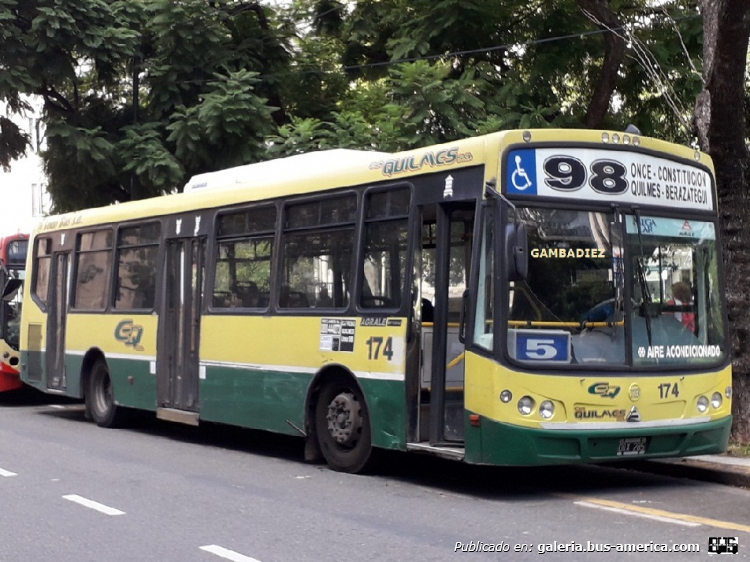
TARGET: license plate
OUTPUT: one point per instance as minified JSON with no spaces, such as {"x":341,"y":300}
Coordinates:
{"x":632,"y":446}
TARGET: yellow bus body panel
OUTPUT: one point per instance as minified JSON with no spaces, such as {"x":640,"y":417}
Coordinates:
{"x":589,"y":398}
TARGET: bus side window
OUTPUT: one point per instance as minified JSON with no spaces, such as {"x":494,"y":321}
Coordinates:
{"x":242,"y":274}
{"x":318,"y":247}
{"x":42,"y":266}
{"x":137,"y":263}
{"x":385,"y":247}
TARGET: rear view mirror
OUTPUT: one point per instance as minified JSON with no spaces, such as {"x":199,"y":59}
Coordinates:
{"x":11,"y":289}
{"x":516,"y":251}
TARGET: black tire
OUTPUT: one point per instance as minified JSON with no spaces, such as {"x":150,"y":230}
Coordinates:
{"x":342,"y":425}
{"x":100,"y":398}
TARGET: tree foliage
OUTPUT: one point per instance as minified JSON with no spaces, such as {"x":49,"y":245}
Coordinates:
{"x":141,"y":94}
{"x":720,"y":118}
{"x":138,"y":95}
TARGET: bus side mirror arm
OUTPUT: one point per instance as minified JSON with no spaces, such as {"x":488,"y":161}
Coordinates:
{"x":516,"y":253}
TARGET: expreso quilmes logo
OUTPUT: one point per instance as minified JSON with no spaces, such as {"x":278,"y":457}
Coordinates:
{"x":604,"y":389}
{"x":130,"y":334}
{"x":432,"y":159}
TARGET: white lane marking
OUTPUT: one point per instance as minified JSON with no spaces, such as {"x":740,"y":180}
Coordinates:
{"x":639,"y":514}
{"x":93,"y":505}
{"x":228,"y":554}
{"x":7,"y":473}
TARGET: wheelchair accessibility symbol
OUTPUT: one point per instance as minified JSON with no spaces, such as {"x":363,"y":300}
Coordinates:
{"x":522,"y":172}
{"x":519,"y":177}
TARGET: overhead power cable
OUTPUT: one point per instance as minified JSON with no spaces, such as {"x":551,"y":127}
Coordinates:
{"x":503,"y":47}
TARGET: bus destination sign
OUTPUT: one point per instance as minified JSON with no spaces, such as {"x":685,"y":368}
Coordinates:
{"x":608,"y":175}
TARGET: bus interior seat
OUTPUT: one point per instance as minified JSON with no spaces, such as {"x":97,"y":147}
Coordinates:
{"x":428,"y":311}
{"x":292,"y":299}
{"x":248,"y":294}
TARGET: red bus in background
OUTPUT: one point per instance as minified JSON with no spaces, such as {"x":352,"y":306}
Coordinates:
{"x":13,"y":250}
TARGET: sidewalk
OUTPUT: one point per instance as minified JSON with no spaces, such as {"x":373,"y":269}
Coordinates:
{"x":722,"y":469}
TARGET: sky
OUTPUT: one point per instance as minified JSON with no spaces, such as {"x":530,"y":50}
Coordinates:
{"x":17,"y":197}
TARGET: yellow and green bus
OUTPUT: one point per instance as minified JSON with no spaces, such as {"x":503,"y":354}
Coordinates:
{"x":520,"y":298}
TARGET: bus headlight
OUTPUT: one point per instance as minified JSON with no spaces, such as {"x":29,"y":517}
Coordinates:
{"x":728,"y":392}
{"x":506,"y":396}
{"x":702,"y":404}
{"x":526,"y":405}
{"x":546,"y":409}
{"x":716,"y":399}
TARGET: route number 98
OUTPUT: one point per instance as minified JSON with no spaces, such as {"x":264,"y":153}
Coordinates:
{"x":566,"y":173}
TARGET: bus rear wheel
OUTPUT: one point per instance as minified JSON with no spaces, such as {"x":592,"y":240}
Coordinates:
{"x":100,"y":398}
{"x":342,"y":424}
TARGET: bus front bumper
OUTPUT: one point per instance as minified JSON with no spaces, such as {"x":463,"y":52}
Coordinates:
{"x":9,"y":380}
{"x":499,"y":443}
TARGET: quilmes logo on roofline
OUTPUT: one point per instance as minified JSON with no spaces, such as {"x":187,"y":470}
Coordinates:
{"x":432,"y":158}
{"x":604,"y":389}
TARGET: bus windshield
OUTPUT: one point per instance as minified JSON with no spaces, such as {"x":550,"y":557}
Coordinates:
{"x":13,"y":250}
{"x":678,"y":317}
{"x":602,"y":291}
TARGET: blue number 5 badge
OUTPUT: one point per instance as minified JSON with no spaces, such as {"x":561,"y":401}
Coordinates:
{"x":542,"y":346}
{"x":521,"y":172}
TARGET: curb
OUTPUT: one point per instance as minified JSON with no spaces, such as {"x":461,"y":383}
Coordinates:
{"x":728,"y":474}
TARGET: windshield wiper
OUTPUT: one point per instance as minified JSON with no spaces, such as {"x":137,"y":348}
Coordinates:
{"x":618,"y":268}
{"x":641,"y":275}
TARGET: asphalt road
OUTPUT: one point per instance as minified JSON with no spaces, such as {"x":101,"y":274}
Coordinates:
{"x":73,"y":492}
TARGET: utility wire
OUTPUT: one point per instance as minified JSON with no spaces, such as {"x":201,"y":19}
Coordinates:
{"x":502,"y":47}
{"x":506,"y":46}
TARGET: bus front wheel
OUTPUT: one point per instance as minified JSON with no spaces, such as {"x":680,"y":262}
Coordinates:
{"x":342,"y":424}
{"x":100,"y":398}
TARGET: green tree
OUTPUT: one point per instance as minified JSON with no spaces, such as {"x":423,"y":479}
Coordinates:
{"x":447,"y":69}
{"x":145,"y":93}
{"x":721,"y":123}
{"x":139,"y":94}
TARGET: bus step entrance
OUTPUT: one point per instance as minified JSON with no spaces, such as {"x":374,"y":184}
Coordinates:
{"x":454,"y":417}
{"x":179,"y":416}
{"x":446,"y":452}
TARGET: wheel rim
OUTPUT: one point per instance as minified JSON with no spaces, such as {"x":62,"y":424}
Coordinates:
{"x":344,"y":419}
{"x":103,"y":393}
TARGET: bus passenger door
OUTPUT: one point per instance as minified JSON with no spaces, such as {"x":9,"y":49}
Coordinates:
{"x":57,"y":306}
{"x":447,"y":233}
{"x":178,"y":368}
